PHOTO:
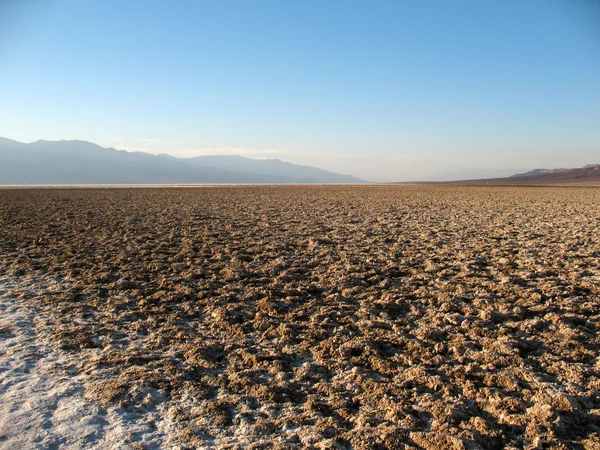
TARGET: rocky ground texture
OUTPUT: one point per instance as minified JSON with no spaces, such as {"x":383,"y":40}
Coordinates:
{"x":324,"y":317}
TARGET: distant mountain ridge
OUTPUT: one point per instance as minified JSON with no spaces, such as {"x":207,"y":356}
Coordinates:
{"x":536,"y":172}
{"x":587,"y":175}
{"x":82,"y":162}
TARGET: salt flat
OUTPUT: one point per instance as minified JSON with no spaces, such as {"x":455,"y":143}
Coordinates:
{"x":41,"y":394}
{"x":300,"y":316}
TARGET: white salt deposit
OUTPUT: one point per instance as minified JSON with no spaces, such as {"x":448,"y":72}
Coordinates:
{"x":41,"y":393}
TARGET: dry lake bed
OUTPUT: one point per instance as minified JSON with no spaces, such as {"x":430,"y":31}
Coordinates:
{"x":327,"y":317}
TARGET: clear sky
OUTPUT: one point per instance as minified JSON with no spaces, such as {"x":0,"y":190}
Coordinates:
{"x":384,"y":90}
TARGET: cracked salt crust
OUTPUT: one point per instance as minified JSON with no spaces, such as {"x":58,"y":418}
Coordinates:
{"x":41,"y":395}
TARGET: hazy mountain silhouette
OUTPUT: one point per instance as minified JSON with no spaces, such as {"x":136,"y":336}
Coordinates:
{"x":587,"y":175}
{"x":81,"y":162}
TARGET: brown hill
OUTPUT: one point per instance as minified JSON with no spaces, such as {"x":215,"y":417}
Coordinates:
{"x":588,"y":175}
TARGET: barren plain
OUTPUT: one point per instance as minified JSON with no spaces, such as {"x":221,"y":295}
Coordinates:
{"x":328,"y":317}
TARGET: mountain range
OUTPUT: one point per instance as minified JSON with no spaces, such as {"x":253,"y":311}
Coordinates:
{"x":81,"y":162}
{"x":587,"y":175}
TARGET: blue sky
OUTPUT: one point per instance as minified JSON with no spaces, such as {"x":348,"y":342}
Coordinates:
{"x":385,"y":90}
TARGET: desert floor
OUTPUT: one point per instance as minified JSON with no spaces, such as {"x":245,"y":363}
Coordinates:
{"x":324,"y":317}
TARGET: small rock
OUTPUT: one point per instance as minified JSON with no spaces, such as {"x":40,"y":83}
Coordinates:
{"x":179,"y":267}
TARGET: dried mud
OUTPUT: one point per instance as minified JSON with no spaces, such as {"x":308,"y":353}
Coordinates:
{"x":325,"y":317}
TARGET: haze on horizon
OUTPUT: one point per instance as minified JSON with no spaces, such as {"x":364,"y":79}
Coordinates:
{"x":383,"y":90}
